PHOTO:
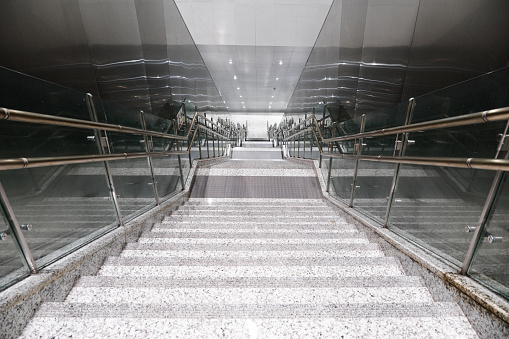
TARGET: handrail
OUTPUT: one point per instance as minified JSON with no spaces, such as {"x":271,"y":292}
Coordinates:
{"x":38,"y":118}
{"x":498,"y":114}
{"x":467,"y":119}
{"x":19,"y":163}
{"x":474,"y":163}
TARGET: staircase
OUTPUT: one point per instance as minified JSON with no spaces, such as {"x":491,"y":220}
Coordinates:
{"x":246,"y":266}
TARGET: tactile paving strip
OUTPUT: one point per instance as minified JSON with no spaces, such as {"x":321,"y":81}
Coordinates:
{"x":256,"y":187}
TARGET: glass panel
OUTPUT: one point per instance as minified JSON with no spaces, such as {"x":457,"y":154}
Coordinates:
{"x":116,"y":114}
{"x":155,"y":123}
{"x":133,"y":185}
{"x":386,"y":117}
{"x":488,"y":91}
{"x":490,"y":265}
{"x":341,"y":177}
{"x":66,"y":205}
{"x":433,"y":206}
{"x":374,"y":181}
{"x":22,"y":92}
{"x":474,"y":141}
{"x":11,"y":261}
{"x":167,"y":175}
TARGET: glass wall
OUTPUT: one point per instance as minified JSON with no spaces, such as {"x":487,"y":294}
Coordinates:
{"x":70,"y":205}
{"x":435,"y":207}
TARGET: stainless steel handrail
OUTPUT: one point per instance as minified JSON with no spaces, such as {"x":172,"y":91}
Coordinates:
{"x":467,"y":119}
{"x":38,"y":118}
{"x":19,"y":163}
{"x":475,"y":163}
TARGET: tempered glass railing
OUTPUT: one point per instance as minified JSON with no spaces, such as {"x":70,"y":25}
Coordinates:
{"x":73,"y":167}
{"x":432,"y":170}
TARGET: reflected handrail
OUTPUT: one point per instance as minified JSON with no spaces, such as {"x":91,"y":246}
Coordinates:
{"x":498,"y":114}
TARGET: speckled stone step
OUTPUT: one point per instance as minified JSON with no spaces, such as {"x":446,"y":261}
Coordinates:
{"x":245,"y":221}
{"x":422,"y":320}
{"x":259,"y":163}
{"x":248,"y":207}
{"x":253,"y":218}
{"x":212,"y":241}
{"x":249,"y":234}
{"x":163,"y":228}
{"x":249,"y":295}
{"x":241,"y":282}
{"x":208,"y":271}
{"x":288,"y":225}
{"x":252,"y":247}
{"x":254,"y":214}
{"x":255,"y":202}
{"x":250,"y":254}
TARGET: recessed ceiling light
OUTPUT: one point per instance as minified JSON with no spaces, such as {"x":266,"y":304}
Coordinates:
{"x":241,"y":96}
{"x":238,"y":87}
{"x":272,"y":97}
{"x":230,"y":62}
{"x":277,"y":78}
{"x":242,"y":101}
{"x":280,"y":62}
{"x":234,"y":77}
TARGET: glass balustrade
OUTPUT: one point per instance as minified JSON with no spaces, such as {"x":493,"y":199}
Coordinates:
{"x":12,"y":266}
{"x":490,"y":264}
{"x":433,"y":206}
{"x":70,"y":205}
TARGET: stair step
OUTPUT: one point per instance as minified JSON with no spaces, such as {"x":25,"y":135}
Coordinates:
{"x":252,"y":247}
{"x":225,"y":202}
{"x":211,"y":241}
{"x":250,"y":207}
{"x":240,"y":215}
{"x":255,"y":212}
{"x":162,"y":229}
{"x":293,"y":224}
{"x":231,"y":262}
{"x":396,"y":324}
{"x":249,"y":254}
{"x":145,"y":311}
{"x":249,"y":295}
{"x":240,"y":282}
{"x":249,"y":234}
{"x":215,"y":268}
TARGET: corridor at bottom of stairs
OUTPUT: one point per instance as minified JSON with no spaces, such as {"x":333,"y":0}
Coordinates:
{"x":243,"y":258}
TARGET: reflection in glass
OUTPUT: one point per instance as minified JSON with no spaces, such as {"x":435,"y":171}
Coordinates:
{"x":67,"y":207}
{"x":11,"y":261}
{"x":373,"y":186}
{"x":490,"y":264}
{"x":341,"y":177}
{"x":432,"y":207}
{"x":133,"y":185}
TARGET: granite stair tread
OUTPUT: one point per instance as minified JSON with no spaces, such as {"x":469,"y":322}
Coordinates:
{"x":239,"y":282}
{"x":420,"y":320}
{"x":251,"y":267}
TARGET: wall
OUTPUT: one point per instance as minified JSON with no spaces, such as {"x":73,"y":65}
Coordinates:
{"x":374,"y":53}
{"x":135,"y":52}
{"x":256,"y":123}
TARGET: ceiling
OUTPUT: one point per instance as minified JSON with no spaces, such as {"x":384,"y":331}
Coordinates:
{"x":255,"y":51}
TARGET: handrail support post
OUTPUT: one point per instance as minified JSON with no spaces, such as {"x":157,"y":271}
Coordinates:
{"x":408,"y":119}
